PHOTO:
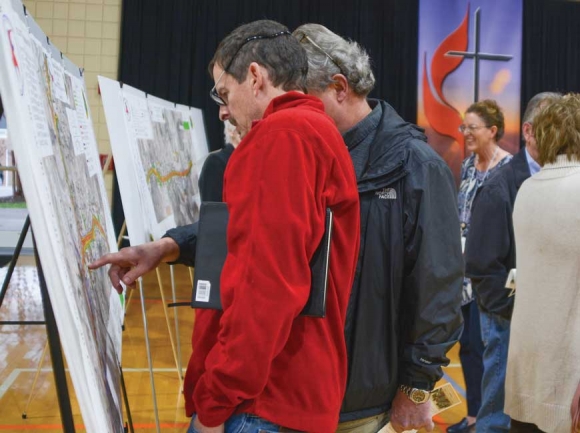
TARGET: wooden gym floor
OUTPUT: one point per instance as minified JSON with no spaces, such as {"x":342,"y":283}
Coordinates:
{"x":21,"y":349}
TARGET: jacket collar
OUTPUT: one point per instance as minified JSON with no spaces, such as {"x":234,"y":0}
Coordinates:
{"x":388,"y":154}
{"x":291,"y":99}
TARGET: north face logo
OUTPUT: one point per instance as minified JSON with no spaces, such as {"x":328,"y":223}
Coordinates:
{"x":387,"y":194}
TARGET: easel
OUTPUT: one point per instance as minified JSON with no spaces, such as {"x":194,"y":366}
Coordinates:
{"x":176,"y":353}
{"x":53,"y":340}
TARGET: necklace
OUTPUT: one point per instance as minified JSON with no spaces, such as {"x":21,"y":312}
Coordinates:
{"x":473,"y":179}
{"x":488,"y":164}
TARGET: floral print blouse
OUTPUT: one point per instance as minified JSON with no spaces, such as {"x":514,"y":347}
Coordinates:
{"x":471,"y":181}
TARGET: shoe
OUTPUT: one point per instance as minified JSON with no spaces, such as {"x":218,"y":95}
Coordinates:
{"x":461,"y":427}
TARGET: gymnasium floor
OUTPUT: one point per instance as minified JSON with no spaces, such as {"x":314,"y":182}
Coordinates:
{"x":21,"y":348}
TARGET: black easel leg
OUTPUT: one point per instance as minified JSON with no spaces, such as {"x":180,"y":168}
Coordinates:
{"x":55,"y":354}
{"x":126,"y":399}
{"x":15,"y":256}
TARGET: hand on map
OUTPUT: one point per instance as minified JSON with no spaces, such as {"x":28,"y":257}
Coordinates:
{"x":131,"y":263}
{"x":406,"y":415}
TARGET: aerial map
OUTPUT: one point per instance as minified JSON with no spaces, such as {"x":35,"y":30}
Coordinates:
{"x":160,"y":147}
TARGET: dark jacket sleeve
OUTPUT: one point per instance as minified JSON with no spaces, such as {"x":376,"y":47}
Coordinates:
{"x":431,"y":320}
{"x":186,"y":238}
{"x":488,"y":249}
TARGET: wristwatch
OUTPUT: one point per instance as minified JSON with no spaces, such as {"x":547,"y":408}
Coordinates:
{"x":417,"y":396}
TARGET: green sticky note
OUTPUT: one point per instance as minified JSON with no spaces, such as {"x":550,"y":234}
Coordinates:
{"x":186,"y":126}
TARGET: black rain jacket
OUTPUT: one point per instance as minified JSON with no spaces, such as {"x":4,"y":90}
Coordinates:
{"x":404,"y":311}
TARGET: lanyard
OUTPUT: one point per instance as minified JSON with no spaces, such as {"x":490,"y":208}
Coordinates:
{"x":474,"y":180}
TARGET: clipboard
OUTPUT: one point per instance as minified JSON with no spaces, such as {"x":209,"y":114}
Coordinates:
{"x":211,"y":251}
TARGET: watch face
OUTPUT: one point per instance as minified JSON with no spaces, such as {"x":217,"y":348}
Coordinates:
{"x":419,"y":396}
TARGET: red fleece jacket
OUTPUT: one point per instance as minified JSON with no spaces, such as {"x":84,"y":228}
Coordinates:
{"x":259,"y":356}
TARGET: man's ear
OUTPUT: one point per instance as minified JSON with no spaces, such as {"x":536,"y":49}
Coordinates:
{"x":527,"y":131}
{"x":340,"y":86}
{"x":256,"y":74}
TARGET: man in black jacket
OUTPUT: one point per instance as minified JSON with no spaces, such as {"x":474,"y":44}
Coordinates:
{"x":490,"y":254}
{"x":404,"y":310}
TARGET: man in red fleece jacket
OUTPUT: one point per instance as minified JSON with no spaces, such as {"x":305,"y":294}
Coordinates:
{"x":263,"y":358}
{"x":259,"y":365}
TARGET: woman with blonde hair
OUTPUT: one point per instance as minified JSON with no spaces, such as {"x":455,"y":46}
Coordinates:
{"x":543,"y":369}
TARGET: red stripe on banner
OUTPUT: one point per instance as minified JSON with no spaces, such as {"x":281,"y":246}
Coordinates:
{"x":442,"y":117}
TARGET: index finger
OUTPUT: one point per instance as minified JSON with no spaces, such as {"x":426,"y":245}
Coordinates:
{"x":107,"y":259}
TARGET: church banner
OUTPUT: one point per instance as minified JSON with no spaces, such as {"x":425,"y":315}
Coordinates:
{"x":468,"y":51}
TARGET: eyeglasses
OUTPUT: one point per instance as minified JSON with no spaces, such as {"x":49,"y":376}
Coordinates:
{"x":470,"y":128}
{"x":213,"y":92}
{"x":315,"y":45}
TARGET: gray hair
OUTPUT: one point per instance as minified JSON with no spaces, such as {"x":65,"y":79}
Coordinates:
{"x":329,"y":54}
{"x":535,"y":104}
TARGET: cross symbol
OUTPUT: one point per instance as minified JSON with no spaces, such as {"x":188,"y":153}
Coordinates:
{"x":477,"y":55}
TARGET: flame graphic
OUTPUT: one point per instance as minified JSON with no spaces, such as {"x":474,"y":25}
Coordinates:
{"x":442,"y":117}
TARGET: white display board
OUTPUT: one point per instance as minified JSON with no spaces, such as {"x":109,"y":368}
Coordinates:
{"x":158,"y":148}
{"x":51,"y":131}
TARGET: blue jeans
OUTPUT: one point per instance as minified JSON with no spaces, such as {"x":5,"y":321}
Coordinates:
{"x":244,"y":423}
{"x":471,"y":356}
{"x":495,"y":331}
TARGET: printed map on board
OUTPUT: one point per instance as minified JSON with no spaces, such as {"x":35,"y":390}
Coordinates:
{"x":56,"y":152}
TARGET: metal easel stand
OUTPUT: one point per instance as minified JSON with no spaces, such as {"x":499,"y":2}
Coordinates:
{"x":53,"y":342}
{"x":176,"y":352}
{"x":146,"y":331}
{"x":176,"y":319}
{"x":55,"y":353}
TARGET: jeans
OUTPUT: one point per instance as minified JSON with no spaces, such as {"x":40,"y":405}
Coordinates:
{"x":243,"y":423}
{"x":495,"y":332}
{"x":471,"y":356}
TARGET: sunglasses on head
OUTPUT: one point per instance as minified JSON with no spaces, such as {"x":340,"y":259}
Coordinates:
{"x":213,"y":92}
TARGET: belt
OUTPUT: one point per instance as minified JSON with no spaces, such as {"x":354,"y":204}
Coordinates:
{"x":288,"y":430}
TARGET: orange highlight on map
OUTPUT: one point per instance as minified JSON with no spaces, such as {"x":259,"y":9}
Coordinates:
{"x":90,"y":236}
{"x":152,"y":172}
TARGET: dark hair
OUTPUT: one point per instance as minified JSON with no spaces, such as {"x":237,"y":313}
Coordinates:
{"x":282,"y":56}
{"x":557,"y":129}
{"x":491,"y":115}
